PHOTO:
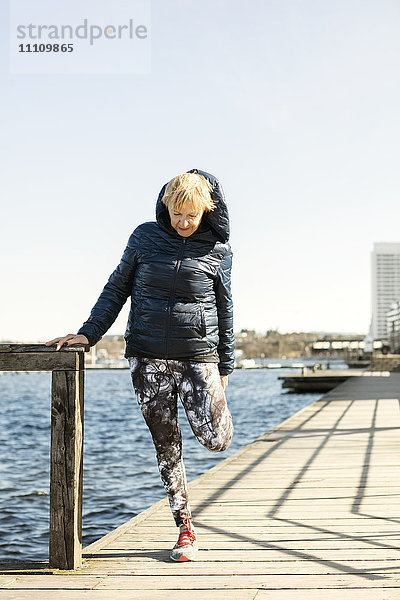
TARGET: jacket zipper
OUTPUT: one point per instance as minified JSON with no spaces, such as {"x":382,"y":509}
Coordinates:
{"x":172,"y":293}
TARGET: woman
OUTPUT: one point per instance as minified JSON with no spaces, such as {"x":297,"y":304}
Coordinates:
{"x":179,"y":336}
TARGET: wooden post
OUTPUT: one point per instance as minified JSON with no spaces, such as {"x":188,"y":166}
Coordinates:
{"x":66,"y":451}
{"x":66,"y":463}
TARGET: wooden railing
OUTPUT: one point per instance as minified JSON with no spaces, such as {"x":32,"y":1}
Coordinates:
{"x":66,"y":450}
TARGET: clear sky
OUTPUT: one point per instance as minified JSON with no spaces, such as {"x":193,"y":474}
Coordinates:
{"x":293,"y":105}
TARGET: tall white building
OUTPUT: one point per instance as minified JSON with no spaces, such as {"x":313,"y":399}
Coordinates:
{"x":385,"y":260}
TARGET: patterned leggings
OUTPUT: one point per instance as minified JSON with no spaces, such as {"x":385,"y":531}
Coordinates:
{"x":158,"y":383}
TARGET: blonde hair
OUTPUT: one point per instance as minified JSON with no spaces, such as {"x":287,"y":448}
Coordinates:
{"x":189,"y":189}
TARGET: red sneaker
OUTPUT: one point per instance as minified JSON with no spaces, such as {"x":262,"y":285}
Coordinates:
{"x":186,"y":547}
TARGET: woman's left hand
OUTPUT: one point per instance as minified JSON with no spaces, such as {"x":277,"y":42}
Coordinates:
{"x":224,"y":381}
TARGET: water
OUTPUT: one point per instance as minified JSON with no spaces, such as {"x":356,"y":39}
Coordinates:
{"x":120,"y":473}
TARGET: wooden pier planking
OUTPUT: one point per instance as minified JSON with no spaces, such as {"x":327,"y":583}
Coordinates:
{"x":309,"y":510}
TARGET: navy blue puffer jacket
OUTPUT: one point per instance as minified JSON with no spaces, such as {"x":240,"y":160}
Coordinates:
{"x":181,"y":303}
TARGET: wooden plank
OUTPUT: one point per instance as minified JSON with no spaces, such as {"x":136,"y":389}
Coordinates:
{"x":40,"y":361}
{"x":6,"y":580}
{"x":61,"y":594}
{"x":330,"y":594}
{"x":251,"y":555}
{"x":294,"y":512}
{"x":243,"y":594}
{"x":310,"y":519}
{"x":56,"y":582}
{"x":289,"y":567}
{"x":66,"y":472}
{"x":266,"y":495}
{"x":302,"y":529}
{"x":224,"y":543}
{"x":226,"y":540}
{"x":42,"y":348}
{"x":238,"y":468}
{"x":233,"y":581}
{"x":369,"y":482}
{"x":231,"y":532}
{"x":341,"y":485}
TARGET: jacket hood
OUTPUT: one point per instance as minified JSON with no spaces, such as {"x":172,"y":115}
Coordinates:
{"x":216,"y":221}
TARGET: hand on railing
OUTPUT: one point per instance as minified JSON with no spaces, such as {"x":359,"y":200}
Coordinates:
{"x":69,"y":339}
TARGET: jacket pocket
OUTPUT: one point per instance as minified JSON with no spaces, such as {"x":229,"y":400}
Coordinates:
{"x":188,"y":321}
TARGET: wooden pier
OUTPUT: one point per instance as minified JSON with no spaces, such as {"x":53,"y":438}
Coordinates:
{"x":310,"y":510}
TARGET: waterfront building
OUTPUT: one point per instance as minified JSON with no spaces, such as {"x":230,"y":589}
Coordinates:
{"x":393,"y":327}
{"x":385,"y":267}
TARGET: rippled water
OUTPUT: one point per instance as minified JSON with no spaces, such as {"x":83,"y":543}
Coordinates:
{"x":120,"y":472}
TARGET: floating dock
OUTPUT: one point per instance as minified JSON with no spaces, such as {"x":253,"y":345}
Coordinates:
{"x":308,"y":511}
{"x":321,"y":381}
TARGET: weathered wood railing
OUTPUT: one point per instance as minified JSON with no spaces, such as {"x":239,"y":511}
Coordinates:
{"x":66,"y":450}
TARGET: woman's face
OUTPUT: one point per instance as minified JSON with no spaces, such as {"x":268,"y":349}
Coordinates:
{"x":185,"y":221}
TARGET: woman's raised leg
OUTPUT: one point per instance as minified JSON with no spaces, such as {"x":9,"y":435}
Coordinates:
{"x":205,"y":404}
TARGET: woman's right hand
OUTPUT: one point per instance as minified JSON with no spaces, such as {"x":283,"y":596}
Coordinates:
{"x":69,"y":339}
